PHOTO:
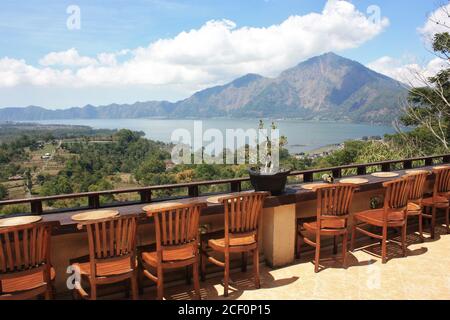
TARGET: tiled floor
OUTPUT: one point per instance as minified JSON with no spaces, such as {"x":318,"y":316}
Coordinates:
{"x":423,"y":274}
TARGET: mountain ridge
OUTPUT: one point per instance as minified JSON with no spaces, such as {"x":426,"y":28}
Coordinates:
{"x":328,"y":87}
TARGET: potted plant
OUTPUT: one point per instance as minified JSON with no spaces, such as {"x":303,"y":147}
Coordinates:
{"x":267,"y":175}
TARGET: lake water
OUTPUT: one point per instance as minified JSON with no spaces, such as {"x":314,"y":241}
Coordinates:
{"x":302,"y":135}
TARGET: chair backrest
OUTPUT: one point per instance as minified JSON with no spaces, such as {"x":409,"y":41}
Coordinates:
{"x":242,"y":212}
{"x":24,"y":248}
{"x":110,"y":239}
{"x":177,"y":226}
{"x":418,"y":187}
{"x":333,"y":201}
{"x":441,"y":180}
{"x":397,"y":193}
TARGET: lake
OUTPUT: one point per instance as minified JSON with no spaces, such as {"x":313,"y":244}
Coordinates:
{"x":303,"y":136}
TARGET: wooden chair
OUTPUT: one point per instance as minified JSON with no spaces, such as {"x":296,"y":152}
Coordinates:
{"x":177,"y":242}
{"x":25,"y":268}
{"x":112,"y":254}
{"x":242,"y":211}
{"x":392,"y":215}
{"x":439,"y":199}
{"x":415,"y":208}
{"x":333,"y":206}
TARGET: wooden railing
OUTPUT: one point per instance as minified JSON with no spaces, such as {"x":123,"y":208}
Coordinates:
{"x":235,"y":185}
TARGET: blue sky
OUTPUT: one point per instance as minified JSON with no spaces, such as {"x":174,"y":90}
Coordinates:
{"x":125,"y":31}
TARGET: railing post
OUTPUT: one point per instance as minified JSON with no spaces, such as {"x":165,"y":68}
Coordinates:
{"x":94,"y":201}
{"x":308,"y":177}
{"x":361,"y":170}
{"x":407,"y":164}
{"x":193,"y":191}
{"x":235,"y":186}
{"x":446,"y":159}
{"x":386,"y":167}
{"x":146,"y":196}
{"x":429,"y":161}
{"x":337,"y":173}
{"x":36,"y":206}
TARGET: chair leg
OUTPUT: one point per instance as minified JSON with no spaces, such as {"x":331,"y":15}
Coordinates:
{"x":188,"y":275}
{"x":447,"y":218}
{"x":140,"y":276}
{"x":421,"y":227}
{"x":256,"y":267}
{"x":317,"y":255}
{"x":298,"y":244}
{"x":433,"y":223}
{"x":196,"y":281}
{"x":49,"y":292}
{"x":404,"y":239}
{"x":226,"y":278}
{"x":134,"y":285}
{"x":335,"y":246}
{"x":384,"y":245}
{"x":344,"y":250}
{"x":93,"y":295}
{"x":244,"y":262}
{"x":352,"y":241}
{"x":160,"y":284}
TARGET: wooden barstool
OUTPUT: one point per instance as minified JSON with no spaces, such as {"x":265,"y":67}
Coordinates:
{"x":439,"y":199}
{"x":392,"y":215}
{"x":112,"y":255}
{"x":333,"y":206}
{"x":177,"y":242}
{"x":25,"y":268}
{"x":415,"y":208}
{"x":242,"y":211}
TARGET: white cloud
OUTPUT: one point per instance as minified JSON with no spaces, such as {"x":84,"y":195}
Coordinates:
{"x":216,"y":52}
{"x":438,"y":21}
{"x":69,"y":58}
{"x":407,"y":70}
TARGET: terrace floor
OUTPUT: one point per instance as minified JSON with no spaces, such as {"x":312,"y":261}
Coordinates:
{"x":423,"y":274}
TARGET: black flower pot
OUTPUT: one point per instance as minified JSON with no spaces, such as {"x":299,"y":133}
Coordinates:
{"x":274,"y":182}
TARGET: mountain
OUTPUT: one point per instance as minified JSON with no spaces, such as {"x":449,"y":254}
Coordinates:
{"x":323,"y":87}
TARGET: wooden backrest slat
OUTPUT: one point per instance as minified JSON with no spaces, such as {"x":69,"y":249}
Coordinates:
{"x":164,"y":226}
{"x":442,"y":181}
{"x":26,"y":249}
{"x":183,"y":225}
{"x":397,"y":192}
{"x":18,"y":255}
{"x":9,"y":253}
{"x":23,"y":247}
{"x":97,"y":240}
{"x":334,"y":200}
{"x":111,"y":238}
{"x":241,"y":212}
{"x":418,"y":187}
{"x":103,"y":239}
{"x":3,"y":266}
{"x":177,"y":225}
{"x":33,"y":246}
{"x":170,"y":227}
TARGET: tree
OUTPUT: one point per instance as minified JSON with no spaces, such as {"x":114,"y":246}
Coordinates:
{"x":428,"y":106}
{"x":28,"y":179}
{"x":3,"y":192}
